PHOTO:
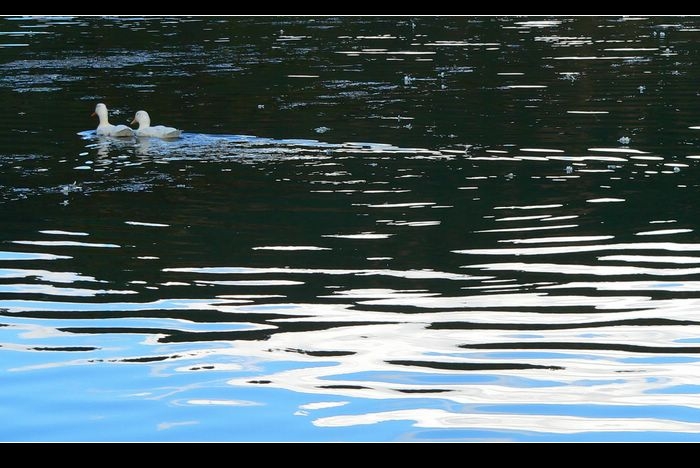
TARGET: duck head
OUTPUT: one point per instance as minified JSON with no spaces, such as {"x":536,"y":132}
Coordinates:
{"x":142,"y":118}
{"x":100,"y":112}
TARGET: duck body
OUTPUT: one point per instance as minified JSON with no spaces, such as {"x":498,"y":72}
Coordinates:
{"x":104,"y":128}
{"x":114,"y":130}
{"x":157,"y":131}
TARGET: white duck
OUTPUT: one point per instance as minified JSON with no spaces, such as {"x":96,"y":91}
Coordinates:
{"x":158,"y":131}
{"x":107,"y":129}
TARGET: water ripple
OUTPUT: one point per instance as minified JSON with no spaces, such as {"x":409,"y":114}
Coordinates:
{"x":472,"y":251}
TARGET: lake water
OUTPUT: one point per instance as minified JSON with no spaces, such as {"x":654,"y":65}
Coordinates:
{"x":372,"y":229}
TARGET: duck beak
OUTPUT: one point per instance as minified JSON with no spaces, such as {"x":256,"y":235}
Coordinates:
{"x":93,"y":114}
{"x":133,"y":122}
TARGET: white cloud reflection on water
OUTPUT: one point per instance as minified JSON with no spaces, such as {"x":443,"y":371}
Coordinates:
{"x":371,"y":372}
{"x":434,"y":418}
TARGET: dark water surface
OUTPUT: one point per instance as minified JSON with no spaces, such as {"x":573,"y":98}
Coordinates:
{"x":373,"y":229}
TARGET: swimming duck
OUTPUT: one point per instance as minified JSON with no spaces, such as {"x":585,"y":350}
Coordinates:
{"x":107,"y":129}
{"x":157,"y":131}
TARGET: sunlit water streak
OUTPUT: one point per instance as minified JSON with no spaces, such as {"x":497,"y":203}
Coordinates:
{"x":371,"y":229}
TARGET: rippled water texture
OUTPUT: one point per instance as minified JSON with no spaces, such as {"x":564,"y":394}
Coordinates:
{"x":372,"y":229}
